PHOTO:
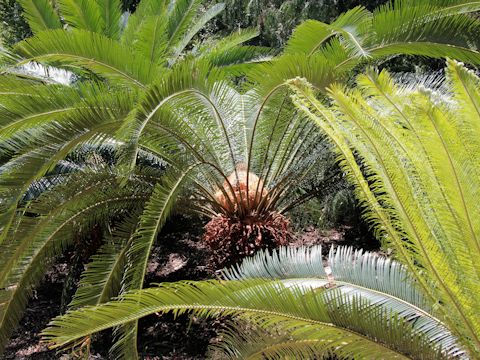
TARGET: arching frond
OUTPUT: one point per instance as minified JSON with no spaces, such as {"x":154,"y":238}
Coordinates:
{"x":413,"y":147}
{"x":46,"y":128}
{"x":180,"y":16}
{"x":433,"y":29}
{"x":82,"y":14}
{"x":55,"y":217}
{"x":101,"y":281}
{"x":40,"y":15}
{"x":37,"y":151}
{"x":91,"y":51}
{"x":310,"y":310}
{"x":156,"y":212}
{"x":208,"y":15}
{"x":350,"y":271}
{"x":139,"y":20}
{"x":111,"y":11}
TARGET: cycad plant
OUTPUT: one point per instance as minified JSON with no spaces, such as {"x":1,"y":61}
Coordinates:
{"x":245,"y":162}
{"x":410,"y":151}
{"x":325,"y":53}
{"x":134,"y":136}
{"x":288,"y":304}
{"x":419,"y":179}
{"x":58,"y":174}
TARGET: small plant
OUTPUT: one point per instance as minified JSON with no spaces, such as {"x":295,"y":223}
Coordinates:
{"x":248,"y":227}
{"x":51,"y":196}
{"x":410,"y":151}
{"x":168,"y":130}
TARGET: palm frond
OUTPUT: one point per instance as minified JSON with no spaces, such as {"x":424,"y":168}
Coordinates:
{"x":40,"y":238}
{"x":101,"y":281}
{"x":151,"y":39}
{"x":177,"y":84}
{"x":91,"y":51}
{"x":35,"y":152}
{"x":145,"y":10}
{"x":180,"y":15}
{"x":83,"y":14}
{"x":111,"y":15}
{"x":208,"y":15}
{"x":150,"y":222}
{"x":348,"y":270}
{"x":309,"y":312}
{"x":231,"y":40}
{"x":350,"y":26}
{"x":40,"y":15}
{"x":419,"y":189}
{"x":402,"y":27}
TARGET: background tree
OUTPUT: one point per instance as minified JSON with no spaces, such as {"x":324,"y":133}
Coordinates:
{"x":410,"y":151}
{"x":276,"y":19}
{"x":122,"y":102}
{"x":13,"y":26}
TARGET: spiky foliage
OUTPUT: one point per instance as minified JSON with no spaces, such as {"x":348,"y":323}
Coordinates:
{"x":276,"y":19}
{"x":418,"y":179}
{"x":419,"y":191}
{"x":146,"y":97}
{"x":259,"y":158}
{"x":323,"y":53}
{"x":361,"y":306}
{"x":59,"y":174}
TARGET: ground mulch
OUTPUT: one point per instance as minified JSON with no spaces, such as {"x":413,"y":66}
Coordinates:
{"x":180,"y":255}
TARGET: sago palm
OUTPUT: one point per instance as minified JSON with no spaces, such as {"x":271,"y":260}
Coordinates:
{"x":325,"y":53}
{"x":245,"y":160}
{"x":287,"y":303}
{"x":238,"y":157}
{"x":50,"y":132}
{"x":418,"y":178}
{"x":410,"y":151}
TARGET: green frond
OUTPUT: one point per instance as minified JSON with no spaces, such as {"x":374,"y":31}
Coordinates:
{"x":38,"y":239}
{"x":351,"y":27}
{"x":111,"y":11}
{"x":139,"y":19}
{"x":199,"y":23}
{"x":180,"y":15}
{"x":38,"y":105}
{"x":414,"y":152}
{"x":234,"y":39}
{"x":40,"y":15}
{"x":256,"y":343}
{"x":82,"y":14}
{"x":91,"y":51}
{"x":179,"y":83}
{"x":238,"y":60}
{"x":101,"y":281}
{"x":151,"y":40}
{"x":464,"y":85}
{"x":349,"y":269}
{"x":321,"y":69}
{"x":417,"y":28}
{"x":155,"y":213}
{"x":36,"y":151}
{"x":309,"y":312}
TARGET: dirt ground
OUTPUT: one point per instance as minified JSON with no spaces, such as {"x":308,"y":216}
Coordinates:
{"x":180,"y":255}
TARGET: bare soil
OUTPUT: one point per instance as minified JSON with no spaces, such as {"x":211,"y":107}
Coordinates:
{"x":180,"y":255}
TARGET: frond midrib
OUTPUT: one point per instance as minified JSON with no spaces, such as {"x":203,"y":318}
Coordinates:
{"x":86,"y":59}
{"x":154,"y":309}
